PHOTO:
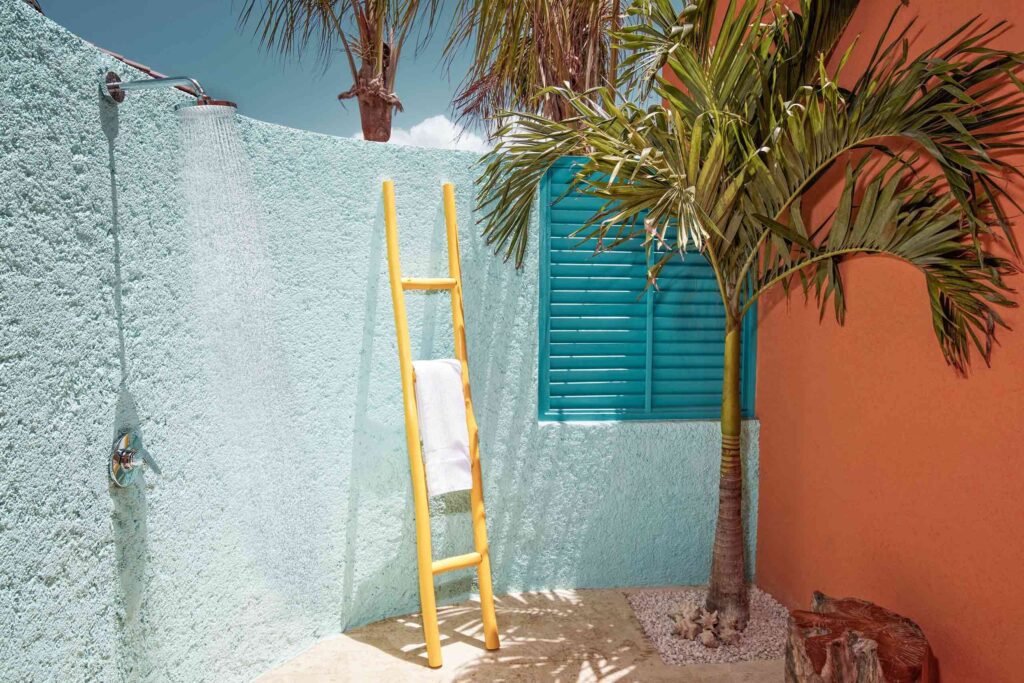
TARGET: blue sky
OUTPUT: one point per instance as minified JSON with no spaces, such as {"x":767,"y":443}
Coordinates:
{"x":202,"y":39}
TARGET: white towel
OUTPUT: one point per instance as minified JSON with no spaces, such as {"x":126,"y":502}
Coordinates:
{"x":441,"y":406}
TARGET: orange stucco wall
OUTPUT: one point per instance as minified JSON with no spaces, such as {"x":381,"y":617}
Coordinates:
{"x":884,"y":475}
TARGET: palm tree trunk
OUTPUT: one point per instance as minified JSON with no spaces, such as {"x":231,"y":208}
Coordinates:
{"x":375,"y":117}
{"x":727,"y":591}
{"x":376,"y":102}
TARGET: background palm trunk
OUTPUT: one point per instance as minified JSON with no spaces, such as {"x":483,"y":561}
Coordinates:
{"x":375,"y":117}
{"x":727,"y":591}
{"x":375,"y":107}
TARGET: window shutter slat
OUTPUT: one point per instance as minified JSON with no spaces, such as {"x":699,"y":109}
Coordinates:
{"x":608,"y":323}
{"x":585,"y":256}
{"x":585,"y":405}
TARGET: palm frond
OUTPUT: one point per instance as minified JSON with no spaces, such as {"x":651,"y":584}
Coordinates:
{"x":653,"y":31}
{"x":360,"y":28}
{"x":804,"y":35}
{"x":906,"y":216}
{"x":293,"y":26}
{"x":521,"y":48}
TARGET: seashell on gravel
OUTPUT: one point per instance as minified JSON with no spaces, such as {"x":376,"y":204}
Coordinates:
{"x":764,"y":637}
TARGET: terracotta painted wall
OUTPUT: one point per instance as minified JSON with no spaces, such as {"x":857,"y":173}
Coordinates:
{"x":884,"y":475}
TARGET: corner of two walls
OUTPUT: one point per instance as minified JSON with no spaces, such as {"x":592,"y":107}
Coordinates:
{"x":261,"y":371}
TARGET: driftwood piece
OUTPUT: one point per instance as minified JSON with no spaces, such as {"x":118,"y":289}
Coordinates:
{"x":728,"y":636}
{"x":845,"y":640}
{"x":708,"y":638}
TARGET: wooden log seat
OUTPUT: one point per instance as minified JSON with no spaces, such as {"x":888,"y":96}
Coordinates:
{"x":845,"y":640}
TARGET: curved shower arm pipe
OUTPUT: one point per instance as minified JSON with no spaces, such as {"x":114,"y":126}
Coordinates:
{"x":153,"y":83}
{"x":114,"y":88}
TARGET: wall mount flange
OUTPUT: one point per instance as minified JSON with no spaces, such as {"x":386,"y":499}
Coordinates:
{"x":109,"y":88}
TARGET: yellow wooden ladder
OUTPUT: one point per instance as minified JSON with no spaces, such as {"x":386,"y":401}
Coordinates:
{"x":480,"y":558}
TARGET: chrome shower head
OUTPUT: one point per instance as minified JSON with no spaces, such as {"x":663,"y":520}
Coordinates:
{"x":207,"y":101}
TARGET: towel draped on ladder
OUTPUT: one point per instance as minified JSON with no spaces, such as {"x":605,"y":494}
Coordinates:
{"x":441,"y":407}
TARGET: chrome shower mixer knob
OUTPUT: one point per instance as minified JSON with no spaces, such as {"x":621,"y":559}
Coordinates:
{"x":127,"y":457}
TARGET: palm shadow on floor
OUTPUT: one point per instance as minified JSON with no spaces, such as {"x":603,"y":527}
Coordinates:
{"x":547,"y":636}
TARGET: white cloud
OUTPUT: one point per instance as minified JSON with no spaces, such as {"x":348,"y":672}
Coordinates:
{"x":438,"y":132}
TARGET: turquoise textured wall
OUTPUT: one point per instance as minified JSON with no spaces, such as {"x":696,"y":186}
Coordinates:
{"x":284,"y":510}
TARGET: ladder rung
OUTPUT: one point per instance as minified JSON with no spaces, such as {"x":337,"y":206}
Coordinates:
{"x":428,"y":282}
{"x":456,"y":562}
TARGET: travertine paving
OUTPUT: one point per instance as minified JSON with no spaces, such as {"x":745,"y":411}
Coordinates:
{"x":571,"y":636}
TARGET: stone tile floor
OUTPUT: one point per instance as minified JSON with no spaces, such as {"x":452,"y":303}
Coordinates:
{"x":570,"y":636}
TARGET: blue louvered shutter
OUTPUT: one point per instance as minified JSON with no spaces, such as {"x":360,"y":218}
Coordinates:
{"x":609,"y":349}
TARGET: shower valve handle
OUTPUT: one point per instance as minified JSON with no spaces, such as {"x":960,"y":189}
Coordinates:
{"x":128,"y":457}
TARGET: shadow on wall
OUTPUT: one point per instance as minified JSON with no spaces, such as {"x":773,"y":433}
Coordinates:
{"x":369,"y":436}
{"x":503,"y":383}
{"x":539,"y":540}
{"x":587,"y":482}
{"x":128,"y":517}
{"x":563,"y":533}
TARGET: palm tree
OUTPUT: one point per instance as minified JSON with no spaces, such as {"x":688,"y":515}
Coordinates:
{"x":750,"y":124}
{"x":370,"y":31}
{"x":520,"y":47}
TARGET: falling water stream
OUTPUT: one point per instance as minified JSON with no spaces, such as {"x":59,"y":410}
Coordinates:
{"x":228,"y":236}
{"x":246,"y":420}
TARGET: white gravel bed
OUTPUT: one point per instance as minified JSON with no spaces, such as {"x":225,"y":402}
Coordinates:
{"x":765,"y":637}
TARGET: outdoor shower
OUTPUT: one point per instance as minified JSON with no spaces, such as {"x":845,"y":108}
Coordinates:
{"x":127,"y":454}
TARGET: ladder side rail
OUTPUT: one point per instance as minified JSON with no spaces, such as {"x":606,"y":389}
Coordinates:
{"x":428,"y":600}
{"x":479,"y":517}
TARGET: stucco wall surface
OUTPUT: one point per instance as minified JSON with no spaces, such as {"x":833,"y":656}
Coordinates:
{"x":261,"y":372}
